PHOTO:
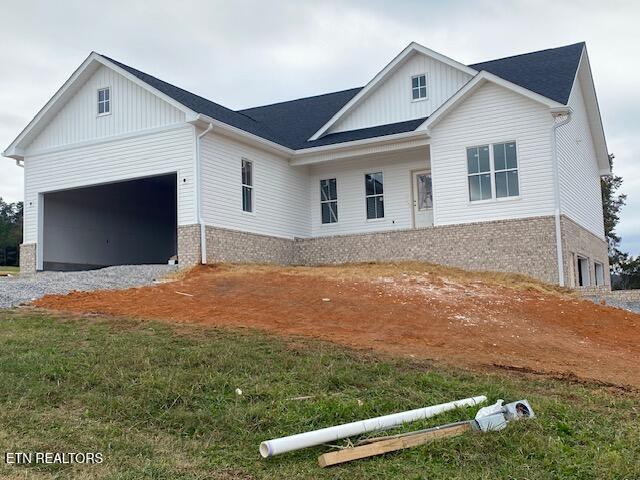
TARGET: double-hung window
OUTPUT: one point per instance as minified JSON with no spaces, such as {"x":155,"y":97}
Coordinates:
{"x":247,"y":186}
{"x":419,"y":87}
{"x":505,"y":160}
{"x":329,"y":200}
{"x":104,"y":101}
{"x":479,"y":173}
{"x":374,"y":192}
{"x":492,"y":171}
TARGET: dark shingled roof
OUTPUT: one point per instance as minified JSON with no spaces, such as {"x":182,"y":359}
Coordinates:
{"x":547,"y":72}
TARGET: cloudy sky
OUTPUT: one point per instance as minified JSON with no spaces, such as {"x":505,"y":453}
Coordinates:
{"x":247,"y":53}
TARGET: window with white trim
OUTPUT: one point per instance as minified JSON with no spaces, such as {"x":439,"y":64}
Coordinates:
{"x":329,"y":200}
{"x":104,"y":101}
{"x":374,"y":193}
{"x":505,"y":161}
{"x":479,"y":173}
{"x":492,"y":171}
{"x":247,"y":186}
{"x":419,"y":87}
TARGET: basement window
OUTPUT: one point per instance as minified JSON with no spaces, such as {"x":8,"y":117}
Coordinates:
{"x":329,"y":200}
{"x":374,"y":193}
{"x":419,"y":87}
{"x":104,"y":101}
{"x":599,"y":267}
{"x":247,"y":186}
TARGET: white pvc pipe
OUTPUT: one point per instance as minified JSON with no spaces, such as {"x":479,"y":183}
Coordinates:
{"x":277,"y":446}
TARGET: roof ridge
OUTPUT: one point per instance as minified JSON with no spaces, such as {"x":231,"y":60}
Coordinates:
{"x":299,"y":99}
{"x":527,"y":53}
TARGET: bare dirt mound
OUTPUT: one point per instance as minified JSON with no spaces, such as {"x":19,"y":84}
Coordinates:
{"x":412,"y":309}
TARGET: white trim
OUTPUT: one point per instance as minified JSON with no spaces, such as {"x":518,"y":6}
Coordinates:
{"x":426,"y":88}
{"x":100,"y":141}
{"x":391,"y":67}
{"x":106,"y":102}
{"x":476,"y":82}
{"x":200,"y":119}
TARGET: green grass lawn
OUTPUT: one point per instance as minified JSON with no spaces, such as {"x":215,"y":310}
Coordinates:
{"x":159,"y":402}
{"x":11,"y":270}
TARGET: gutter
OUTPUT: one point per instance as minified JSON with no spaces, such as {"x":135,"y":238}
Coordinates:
{"x":556,"y":178}
{"x":203,"y":231}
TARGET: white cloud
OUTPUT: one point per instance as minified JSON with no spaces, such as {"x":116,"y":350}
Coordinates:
{"x":248,"y":53}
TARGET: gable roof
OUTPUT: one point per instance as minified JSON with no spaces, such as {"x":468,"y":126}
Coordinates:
{"x":385,"y":73}
{"x":549,"y":73}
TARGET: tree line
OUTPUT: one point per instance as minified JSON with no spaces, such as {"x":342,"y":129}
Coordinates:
{"x":10,"y":232}
{"x":625,"y":268}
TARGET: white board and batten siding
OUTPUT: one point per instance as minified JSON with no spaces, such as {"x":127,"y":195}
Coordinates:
{"x":132,"y":109}
{"x":491,"y":115}
{"x":143,"y":136}
{"x":280,"y":192}
{"x":139,"y":156}
{"x":578,"y":168}
{"x":396,"y":169}
{"x":391,"y":102}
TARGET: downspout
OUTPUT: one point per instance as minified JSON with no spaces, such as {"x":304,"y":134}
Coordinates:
{"x":20,"y":163}
{"x":203,"y":237}
{"x":558,"y":200}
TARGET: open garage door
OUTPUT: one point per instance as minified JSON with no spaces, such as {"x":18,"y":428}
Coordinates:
{"x":125,"y":223}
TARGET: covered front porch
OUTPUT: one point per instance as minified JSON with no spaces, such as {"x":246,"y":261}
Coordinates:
{"x":376,"y":190}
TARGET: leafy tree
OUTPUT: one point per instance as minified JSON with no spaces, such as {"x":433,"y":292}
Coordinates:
{"x":612,"y":202}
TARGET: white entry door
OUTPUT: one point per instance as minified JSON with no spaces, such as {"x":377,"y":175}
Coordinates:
{"x":422,"y":199}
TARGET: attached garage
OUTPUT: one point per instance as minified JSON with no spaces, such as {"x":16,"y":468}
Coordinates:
{"x":126,"y":223}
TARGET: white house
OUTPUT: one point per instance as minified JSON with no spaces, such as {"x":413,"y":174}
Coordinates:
{"x":492,"y":166}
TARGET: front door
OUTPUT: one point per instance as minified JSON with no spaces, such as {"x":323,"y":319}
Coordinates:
{"x":422,"y":199}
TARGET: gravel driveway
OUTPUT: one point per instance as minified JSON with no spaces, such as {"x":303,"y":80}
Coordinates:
{"x":17,"y":290}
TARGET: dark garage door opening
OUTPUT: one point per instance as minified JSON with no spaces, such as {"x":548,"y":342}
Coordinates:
{"x":125,"y":223}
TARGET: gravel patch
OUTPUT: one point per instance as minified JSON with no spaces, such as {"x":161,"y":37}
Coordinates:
{"x":630,"y":306}
{"x":24,"y":289}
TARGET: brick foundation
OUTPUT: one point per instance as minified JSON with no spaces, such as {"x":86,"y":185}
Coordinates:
{"x":520,"y":246}
{"x":28,"y":262}
{"x":225,"y":245}
{"x":188,"y":245}
{"x":577,"y":240}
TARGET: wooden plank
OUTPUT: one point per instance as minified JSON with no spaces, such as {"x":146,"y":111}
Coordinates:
{"x":391,"y":445}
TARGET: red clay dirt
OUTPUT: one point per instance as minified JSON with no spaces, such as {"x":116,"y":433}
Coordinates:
{"x":420,"y":311}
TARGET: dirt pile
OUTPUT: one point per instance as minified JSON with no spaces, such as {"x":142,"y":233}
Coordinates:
{"x":411,"y":309}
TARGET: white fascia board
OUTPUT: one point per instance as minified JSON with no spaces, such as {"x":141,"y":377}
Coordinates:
{"x":73,"y":83}
{"x":475,"y":83}
{"x":202,"y":120}
{"x":15,"y":149}
{"x":595,"y":117}
{"x":391,"y":67}
{"x":318,"y":154}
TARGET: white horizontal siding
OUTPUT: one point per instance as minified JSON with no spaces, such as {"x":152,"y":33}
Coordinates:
{"x":349,"y":174}
{"x":391,"y":101}
{"x":155,"y":153}
{"x":578,"y":167}
{"x":280,"y":195}
{"x":132,"y":109}
{"x":492,"y":115}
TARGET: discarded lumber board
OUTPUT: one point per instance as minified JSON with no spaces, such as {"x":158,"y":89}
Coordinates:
{"x":391,"y":445}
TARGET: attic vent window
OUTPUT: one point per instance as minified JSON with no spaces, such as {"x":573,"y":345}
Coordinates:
{"x":104,"y":101}
{"x":419,"y":87}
